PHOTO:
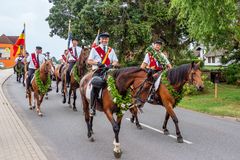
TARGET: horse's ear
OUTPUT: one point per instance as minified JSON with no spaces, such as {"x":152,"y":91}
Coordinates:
{"x":192,"y":64}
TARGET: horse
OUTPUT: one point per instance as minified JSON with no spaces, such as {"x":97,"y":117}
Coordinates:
{"x":58,"y":72}
{"x":79,"y":70}
{"x":45,"y":70}
{"x":177,"y":77}
{"x":19,"y":69}
{"x":140,"y":81}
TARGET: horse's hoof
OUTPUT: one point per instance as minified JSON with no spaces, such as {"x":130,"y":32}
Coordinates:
{"x":166,"y":132}
{"x":132,"y":120}
{"x":139,"y":126}
{"x":179,"y":139}
{"x":117,"y":154}
{"x":46,"y":97}
{"x":31,"y":108}
{"x":40,"y":114}
{"x":64,"y":101}
{"x":75,"y":109}
{"x":57,"y":91}
{"x":91,"y":139}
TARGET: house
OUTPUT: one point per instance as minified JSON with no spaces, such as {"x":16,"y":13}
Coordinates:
{"x":213,"y":57}
{"x":6,"y":50}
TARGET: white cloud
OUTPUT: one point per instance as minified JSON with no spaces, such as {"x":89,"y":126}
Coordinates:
{"x":14,"y":13}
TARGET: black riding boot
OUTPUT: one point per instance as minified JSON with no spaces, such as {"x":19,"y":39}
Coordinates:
{"x":93,"y":102}
{"x":152,"y":95}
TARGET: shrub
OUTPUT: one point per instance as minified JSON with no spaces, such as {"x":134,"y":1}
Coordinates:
{"x":232,"y":73}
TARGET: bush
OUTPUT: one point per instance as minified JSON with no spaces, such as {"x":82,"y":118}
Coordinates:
{"x":232,"y":73}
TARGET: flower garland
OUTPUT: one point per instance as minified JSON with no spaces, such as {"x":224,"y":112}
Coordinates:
{"x":41,"y":87}
{"x":157,"y":56}
{"x":123,"y":103}
{"x":177,"y":95}
{"x":75,"y":73}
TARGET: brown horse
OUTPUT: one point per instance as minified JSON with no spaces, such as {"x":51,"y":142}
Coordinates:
{"x":81,"y":69}
{"x":177,"y":77}
{"x":19,"y":69}
{"x":140,"y":81}
{"x":58,"y":75}
{"x":45,"y":70}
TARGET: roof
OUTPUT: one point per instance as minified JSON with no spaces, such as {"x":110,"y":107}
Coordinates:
{"x":8,"y":39}
{"x":215,"y":53}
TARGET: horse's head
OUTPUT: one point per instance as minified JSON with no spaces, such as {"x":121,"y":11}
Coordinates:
{"x":47,"y":67}
{"x":139,"y":80}
{"x":82,"y":60}
{"x":141,"y":88}
{"x":195,"y":76}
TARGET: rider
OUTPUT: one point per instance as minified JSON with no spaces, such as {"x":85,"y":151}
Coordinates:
{"x":73,"y":55}
{"x":34,"y":61}
{"x":100,"y":56}
{"x":156,"y":60}
{"x":63,"y":60}
{"x":19,"y":58}
{"x":47,"y":56}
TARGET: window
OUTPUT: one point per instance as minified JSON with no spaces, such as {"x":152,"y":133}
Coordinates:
{"x":213,"y":59}
{"x":209,"y":59}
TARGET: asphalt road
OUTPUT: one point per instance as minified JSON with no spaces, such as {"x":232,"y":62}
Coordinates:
{"x":62,"y":133}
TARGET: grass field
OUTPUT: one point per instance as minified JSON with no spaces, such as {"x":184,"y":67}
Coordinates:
{"x":227,"y":103}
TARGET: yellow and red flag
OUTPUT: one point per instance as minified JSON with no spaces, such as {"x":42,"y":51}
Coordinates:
{"x":20,"y":43}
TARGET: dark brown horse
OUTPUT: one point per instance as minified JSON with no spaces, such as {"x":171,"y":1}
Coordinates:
{"x":177,"y":77}
{"x":81,"y":70}
{"x":19,"y":69}
{"x":45,"y":70}
{"x":141,"y":83}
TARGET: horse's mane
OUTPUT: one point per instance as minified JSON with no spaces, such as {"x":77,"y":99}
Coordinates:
{"x":127,"y":70}
{"x":178,"y":75}
{"x":121,"y":76}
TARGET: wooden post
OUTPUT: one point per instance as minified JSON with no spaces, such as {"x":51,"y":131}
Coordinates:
{"x":216,"y":90}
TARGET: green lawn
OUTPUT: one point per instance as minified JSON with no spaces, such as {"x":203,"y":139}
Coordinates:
{"x":227,"y":103}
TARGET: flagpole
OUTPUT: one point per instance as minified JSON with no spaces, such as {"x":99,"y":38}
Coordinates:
{"x":24,"y":47}
{"x":69,"y":31}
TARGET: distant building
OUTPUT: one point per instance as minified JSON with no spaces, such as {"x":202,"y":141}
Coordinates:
{"x":6,"y":50}
{"x":213,"y":57}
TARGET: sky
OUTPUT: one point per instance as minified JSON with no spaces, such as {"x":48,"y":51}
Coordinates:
{"x":14,"y":13}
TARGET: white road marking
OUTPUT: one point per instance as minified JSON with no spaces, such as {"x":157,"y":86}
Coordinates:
{"x":172,"y":136}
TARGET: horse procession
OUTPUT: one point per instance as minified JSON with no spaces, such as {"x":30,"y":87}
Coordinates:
{"x":105,"y":86}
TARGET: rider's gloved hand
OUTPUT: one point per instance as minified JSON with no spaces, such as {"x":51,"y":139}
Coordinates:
{"x":100,"y":65}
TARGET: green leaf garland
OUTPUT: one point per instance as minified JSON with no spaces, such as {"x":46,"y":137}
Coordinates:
{"x":157,"y":56}
{"x":177,"y":95}
{"x":41,"y":87}
{"x":75,"y":73}
{"x":123,"y":103}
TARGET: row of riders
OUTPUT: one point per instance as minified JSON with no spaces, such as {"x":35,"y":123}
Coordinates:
{"x":112,"y":89}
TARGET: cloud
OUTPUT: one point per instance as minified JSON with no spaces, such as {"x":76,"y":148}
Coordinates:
{"x":14,"y":13}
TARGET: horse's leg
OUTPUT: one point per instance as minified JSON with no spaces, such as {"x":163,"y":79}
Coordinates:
{"x":57,"y":82}
{"x":165,"y":130}
{"x":88,"y":119}
{"x":46,"y":97}
{"x":64,"y":87}
{"x":37,"y":99}
{"x":29,"y":99}
{"x":69,"y":95}
{"x":74,"y":99}
{"x":134,"y":112}
{"x":169,"y":109}
{"x":116,"y":129}
{"x":23,"y":79}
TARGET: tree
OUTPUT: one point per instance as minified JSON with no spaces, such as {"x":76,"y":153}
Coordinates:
{"x":214,"y":23}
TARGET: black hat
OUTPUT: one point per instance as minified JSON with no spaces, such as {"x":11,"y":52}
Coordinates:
{"x":47,"y":52}
{"x":159,"y":41}
{"x":104,"y":34}
{"x":74,"y":39}
{"x":38,"y":47}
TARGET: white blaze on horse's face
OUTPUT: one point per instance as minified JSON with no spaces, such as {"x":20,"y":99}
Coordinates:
{"x":195,"y":77}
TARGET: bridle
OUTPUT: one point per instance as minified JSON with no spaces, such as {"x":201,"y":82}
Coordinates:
{"x":139,"y":91}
